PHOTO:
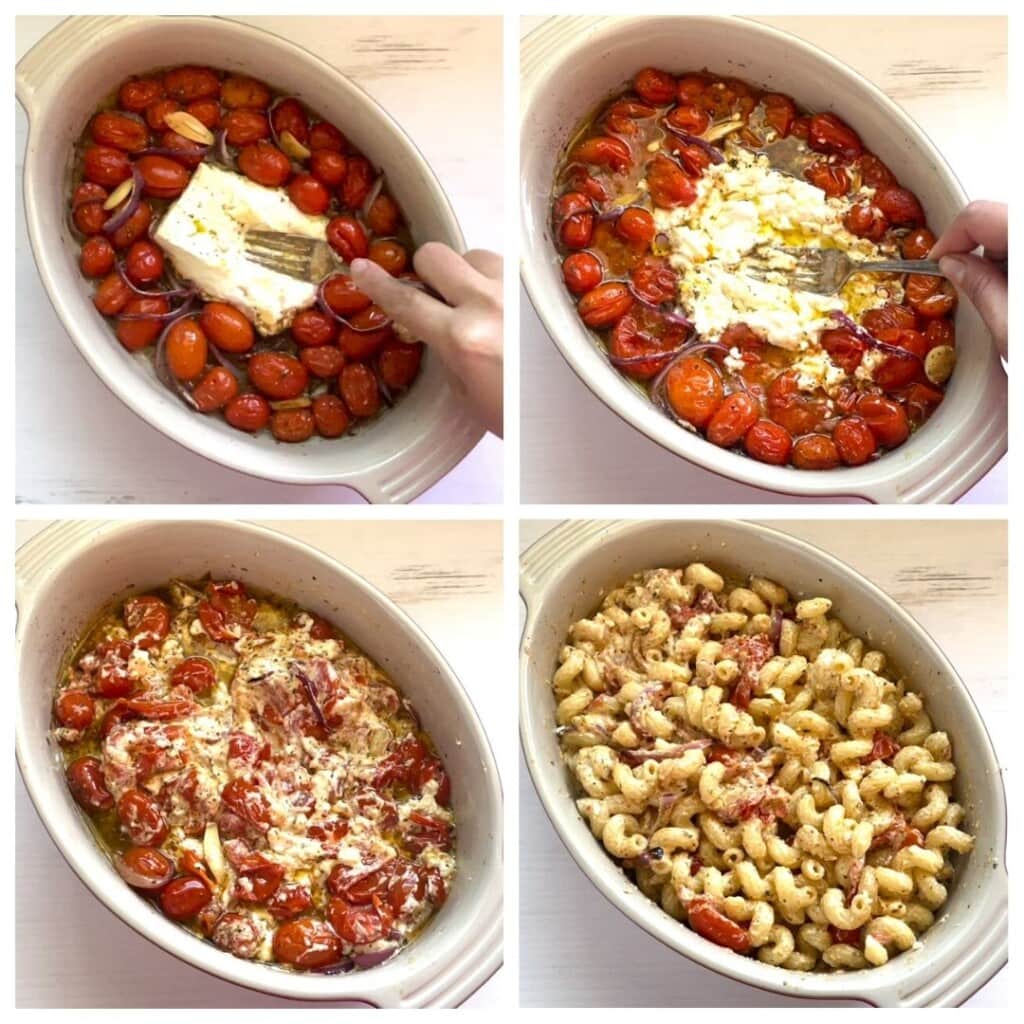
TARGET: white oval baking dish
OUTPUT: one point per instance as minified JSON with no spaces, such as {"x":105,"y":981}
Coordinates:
{"x":563,"y":577}
{"x":69,"y":570}
{"x":569,"y":65}
{"x":60,"y":82}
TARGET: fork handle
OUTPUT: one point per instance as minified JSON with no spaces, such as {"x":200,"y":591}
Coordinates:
{"x":928,"y":267}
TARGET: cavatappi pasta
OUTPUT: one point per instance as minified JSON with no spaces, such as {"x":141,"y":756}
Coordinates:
{"x":758,"y":769}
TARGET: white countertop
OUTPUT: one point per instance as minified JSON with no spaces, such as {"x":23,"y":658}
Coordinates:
{"x":576,"y":949}
{"x":447,"y":576}
{"x":73,"y":435}
{"x":949,"y":74}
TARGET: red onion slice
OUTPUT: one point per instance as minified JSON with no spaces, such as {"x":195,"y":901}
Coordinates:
{"x":163,"y":371}
{"x":374,"y":959}
{"x":137,"y":880}
{"x":695,"y":140}
{"x":865,"y":336}
{"x":375,"y":190}
{"x":612,"y":213}
{"x":121,"y":216}
{"x":160,"y":293}
{"x":171,"y":314}
{"x":321,"y":301}
{"x":635,"y":757}
{"x":669,"y":315}
{"x":637,"y":360}
{"x":221,"y":152}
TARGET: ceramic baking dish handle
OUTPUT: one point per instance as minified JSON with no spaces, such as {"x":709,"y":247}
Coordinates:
{"x":542,"y":559}
{"x":451,"y":984}
{"x":403,"y":479}
{"x":40,"y":555}
{"x":980,"y":445}
{"x":981,"y":955}
{"x":69,"y":38}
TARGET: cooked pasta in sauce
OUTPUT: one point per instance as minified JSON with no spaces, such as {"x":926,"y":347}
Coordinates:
{"x":257,"y":776}
{"x":762,"y":773}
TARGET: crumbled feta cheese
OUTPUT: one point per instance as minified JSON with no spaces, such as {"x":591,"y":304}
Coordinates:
{"x":746,"y":208}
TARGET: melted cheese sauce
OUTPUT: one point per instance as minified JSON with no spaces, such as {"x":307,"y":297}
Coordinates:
{"x":310,"y":780}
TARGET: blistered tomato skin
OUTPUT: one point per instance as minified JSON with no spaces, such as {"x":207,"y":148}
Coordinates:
{"x":630,"y":250}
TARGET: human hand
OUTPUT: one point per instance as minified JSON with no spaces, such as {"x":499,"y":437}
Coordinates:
{"x":465,"y":329}
{"x":983,"y":279}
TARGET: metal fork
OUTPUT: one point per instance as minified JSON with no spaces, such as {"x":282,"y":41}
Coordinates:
{"x":825,"y":271}
{"x":308,"y":259}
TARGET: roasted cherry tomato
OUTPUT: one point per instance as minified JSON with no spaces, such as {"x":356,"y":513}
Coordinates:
{"x":148,"y":619}
{"x":248,"y":412}
{"x":277,"y":375}
{"x":307,"y":942}
{"x":347,"y":237}
{"x":85,"y":780}
{"x":75,"y":709}
{"x":581,"y":271}
{"x":227,"y":328}
{"x":265,"y":164}
{"x":694,"y":390}
{"x":292,"y":425}
{"x":733,"y":418}
{"x":138,"y":334}
{"x":198,"y":674}
{"x":183,"y":897}
{"x":186,"y":349}
{"x":605,"y":304}
{"x":359,"y":389}
{"x":215,"y":390}
{"x":141,"y":818}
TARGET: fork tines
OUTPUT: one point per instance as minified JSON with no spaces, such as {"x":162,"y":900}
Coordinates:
{"x":278,"y":242}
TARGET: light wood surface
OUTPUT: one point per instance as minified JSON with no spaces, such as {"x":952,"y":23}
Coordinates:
{"x":73,"y":952}
{"x":949,"y":74}
{"x":576,"y":949}
{"x":77,"y":443}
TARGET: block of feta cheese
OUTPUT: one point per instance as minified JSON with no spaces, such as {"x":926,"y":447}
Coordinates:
{"x":745,"y":207}
{"x":203,"y":233}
